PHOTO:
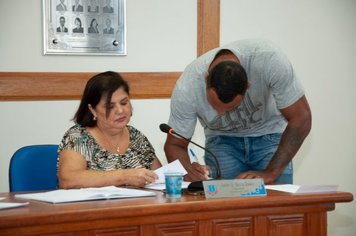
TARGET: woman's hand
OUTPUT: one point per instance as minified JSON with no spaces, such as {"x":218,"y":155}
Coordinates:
{"x":140,"y":177}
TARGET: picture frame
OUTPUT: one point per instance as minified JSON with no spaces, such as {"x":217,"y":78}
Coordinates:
{"x":84,"y":27}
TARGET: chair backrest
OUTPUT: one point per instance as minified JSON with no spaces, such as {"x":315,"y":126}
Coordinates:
{"x":34,"y":168}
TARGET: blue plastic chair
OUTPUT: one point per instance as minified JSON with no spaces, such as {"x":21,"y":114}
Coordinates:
{"x":34,"y":168}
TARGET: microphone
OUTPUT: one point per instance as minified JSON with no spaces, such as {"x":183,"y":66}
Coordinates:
{"x":198,"y":185}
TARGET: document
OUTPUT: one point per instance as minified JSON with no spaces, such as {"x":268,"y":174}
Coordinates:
{"x":85,"y":194}
{"x":174,"y":166}
{"x":289,"y":188}
{"x":292,"y":188}
{"x":162,"y":186}
{"x":317,"y":188}
{"x":6,"y":205}
{"x":160,"y":183}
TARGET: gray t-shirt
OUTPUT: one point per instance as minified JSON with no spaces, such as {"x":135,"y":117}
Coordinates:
{"x":273,"y":86}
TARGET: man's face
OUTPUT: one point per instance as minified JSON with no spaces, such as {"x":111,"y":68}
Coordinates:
{"x":62,"y":21}
{"x":108,"y":23}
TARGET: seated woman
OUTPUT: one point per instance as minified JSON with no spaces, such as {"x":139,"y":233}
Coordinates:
{"x":101,"y":149}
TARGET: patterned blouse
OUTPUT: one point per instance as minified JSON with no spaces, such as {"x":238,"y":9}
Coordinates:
{"x":139,"y":153}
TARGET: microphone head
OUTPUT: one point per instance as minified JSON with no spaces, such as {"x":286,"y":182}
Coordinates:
{"x":165,"y":128}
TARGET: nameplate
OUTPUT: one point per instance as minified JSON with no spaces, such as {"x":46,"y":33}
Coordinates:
{"x":234,"y":188}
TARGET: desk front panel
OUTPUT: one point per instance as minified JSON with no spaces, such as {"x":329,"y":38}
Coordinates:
{"x":273,"y":215}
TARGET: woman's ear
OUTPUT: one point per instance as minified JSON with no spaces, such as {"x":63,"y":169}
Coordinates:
{"x":248,"y":84}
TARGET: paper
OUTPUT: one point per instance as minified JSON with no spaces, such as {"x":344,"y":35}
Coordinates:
{"x":85,"y":194}
{"x":317,"y":188}
{"x":6,"y":205}
{"x":291,"y":188}
{"x":162,"y":186}
{"x":174,"y":166}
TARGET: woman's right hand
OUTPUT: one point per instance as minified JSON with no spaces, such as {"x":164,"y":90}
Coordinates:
{"x":140,"y":177}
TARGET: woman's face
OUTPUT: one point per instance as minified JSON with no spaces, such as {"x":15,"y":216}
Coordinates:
{"x":120,"y":110}
{"x":77,"y":23}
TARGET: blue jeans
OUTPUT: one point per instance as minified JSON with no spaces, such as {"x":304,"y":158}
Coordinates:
{"x":239,"y":154}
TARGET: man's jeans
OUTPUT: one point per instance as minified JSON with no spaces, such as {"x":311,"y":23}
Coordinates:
{"x":236,"y":155}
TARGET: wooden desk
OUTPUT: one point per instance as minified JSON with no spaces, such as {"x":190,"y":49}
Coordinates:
{"x":276,"y":214}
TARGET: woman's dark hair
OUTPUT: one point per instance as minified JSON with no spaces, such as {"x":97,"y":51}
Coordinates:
{"x":80,"y":22}
{"x":229,"y":79}
{"x":92,"y":22}
{"x":103,"y":84}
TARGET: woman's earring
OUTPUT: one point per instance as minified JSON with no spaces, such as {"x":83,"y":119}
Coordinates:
{"x":94,"y":117}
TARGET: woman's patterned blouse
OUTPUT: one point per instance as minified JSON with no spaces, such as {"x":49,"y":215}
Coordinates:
{"x":140,"y":152}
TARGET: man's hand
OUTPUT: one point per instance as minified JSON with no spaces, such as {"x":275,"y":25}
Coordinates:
{"x":196,"y":172}
{"x":267,"y":176}
{"x":176,"y":148}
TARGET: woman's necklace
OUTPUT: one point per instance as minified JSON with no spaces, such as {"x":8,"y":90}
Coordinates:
{"x":116,"y":146}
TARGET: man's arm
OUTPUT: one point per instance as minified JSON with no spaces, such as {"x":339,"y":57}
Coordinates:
{"x":299,"y":120}
{"x":176,"y":148}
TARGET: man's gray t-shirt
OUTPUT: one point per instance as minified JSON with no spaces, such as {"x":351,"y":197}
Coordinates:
{"x":273,"y":86}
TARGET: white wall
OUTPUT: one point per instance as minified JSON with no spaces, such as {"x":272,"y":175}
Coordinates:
{"x":318,"y":36}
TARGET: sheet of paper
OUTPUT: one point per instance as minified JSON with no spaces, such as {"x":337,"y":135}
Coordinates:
{"x":6,"y":205}
{"x":290,"y":188}
{"x":162,"y":186}
{"x":174,"y":166}
{"x":85,"y":194}
{"x":317,"y":188}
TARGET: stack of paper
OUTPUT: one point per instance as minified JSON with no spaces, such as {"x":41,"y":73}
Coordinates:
{"x":85,"y":194}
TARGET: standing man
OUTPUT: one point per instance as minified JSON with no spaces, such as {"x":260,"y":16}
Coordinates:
{"x":252,"y":107}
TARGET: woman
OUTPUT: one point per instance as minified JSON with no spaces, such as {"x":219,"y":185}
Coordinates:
{"x":78,"y":24}
{"x":101,"y":148}
{"x":93,"y":27}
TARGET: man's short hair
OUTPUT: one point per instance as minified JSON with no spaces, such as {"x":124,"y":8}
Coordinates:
{"x":228,"y":79}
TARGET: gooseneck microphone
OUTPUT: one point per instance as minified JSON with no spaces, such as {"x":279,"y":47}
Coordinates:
{"x":194,"y":186}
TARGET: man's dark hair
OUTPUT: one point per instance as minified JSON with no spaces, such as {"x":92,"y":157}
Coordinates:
{"x":228,"y":79}
{"x":103,"y":84}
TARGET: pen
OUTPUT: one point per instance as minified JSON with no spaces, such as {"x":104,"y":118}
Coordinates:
{"x":193,"y":154}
